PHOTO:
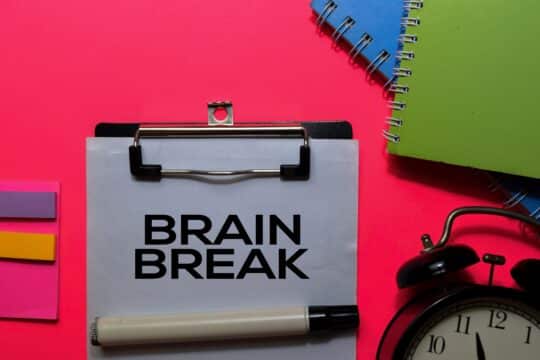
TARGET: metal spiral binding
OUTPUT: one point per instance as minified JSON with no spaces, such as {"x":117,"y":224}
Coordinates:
{"x":398,"y":89}
{"x":377,"y":62}
{"x":402,"y":72}
{"x":494,"y":185}
{"x":515,"y":199}
{"x":536,"y":213}
{"x":402,"y":55}
{"x":366,"y":39}
{"x":392,"y":121}
{"x":518,"y":198}
{"x":405,"y":55}
{"x":397,"y":105}
{"x":327,"y":10}
{"x":413,"y":4}
{"x":357,"y":48}
{"x":410,"y":21}
{"x":342,"y":28}
{"x":408,"y":38}
{"x":390,"y":137}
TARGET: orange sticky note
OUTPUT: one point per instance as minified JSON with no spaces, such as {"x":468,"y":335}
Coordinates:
{"x":27,"y":246}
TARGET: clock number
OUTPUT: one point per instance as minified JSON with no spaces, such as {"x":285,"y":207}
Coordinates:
{"x":499,"y":315}
{"x":437,"y":344}
{"x":528,"y":338}
{"x":463,"y":324}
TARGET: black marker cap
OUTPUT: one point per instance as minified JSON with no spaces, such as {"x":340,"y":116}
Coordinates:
{"x":332,"y":318}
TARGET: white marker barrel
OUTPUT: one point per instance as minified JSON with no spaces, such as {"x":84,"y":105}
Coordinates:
{"x":197,"y":327}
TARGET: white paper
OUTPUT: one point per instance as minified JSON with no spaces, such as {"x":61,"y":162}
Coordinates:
{"x":326,"y":203}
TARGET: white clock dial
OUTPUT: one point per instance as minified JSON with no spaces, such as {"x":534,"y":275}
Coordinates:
{"x":479,"y":330}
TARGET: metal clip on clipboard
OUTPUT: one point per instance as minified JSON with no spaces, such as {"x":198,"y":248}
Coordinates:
{"x":219,"y":129}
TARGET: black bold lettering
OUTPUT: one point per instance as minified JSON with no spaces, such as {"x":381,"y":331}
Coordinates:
{"x":150,"y":228}
{"x":156,"y":262}
{"x":294,"y":234}
{"x":285,"y":263}
{"x":240,"y":234}
{"x":190,"y":267}
{"x":212,"y":263}
{"x":259,"y":229}
{"x":185,"y":230}
{"x":247,"y":268}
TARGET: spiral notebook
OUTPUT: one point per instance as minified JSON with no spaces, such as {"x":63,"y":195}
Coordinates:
{"x":466,"y":96}
{"x":371,"y":27}
{"x":519,"y":192}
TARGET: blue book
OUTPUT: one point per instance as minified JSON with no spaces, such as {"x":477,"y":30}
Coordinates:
{"x":375,"y":29}
{"x":522,"y":192}
{"x":371,"y":27}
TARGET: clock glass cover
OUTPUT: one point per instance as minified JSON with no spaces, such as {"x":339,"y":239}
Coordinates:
{"x":482,"y":328}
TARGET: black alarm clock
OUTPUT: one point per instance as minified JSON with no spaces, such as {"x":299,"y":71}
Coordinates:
{"x":465,"y":321}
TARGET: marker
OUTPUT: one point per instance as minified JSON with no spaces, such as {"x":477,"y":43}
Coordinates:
{"x":198,"y":327}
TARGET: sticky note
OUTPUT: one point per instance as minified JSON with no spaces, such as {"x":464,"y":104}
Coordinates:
{"x":28,"y":204}
{"x":29,"y":289}
{"x":27,"y":246}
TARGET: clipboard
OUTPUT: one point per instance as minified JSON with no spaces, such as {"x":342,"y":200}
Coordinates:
{"x":223,"y":129}
{"x":279,"y":197}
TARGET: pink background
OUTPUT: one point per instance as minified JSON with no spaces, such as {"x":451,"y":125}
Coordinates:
{"x":68,"y":64}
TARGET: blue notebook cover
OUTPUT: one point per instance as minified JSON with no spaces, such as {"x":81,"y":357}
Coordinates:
{"x":357,"y":20}
{"x":521,"y":192}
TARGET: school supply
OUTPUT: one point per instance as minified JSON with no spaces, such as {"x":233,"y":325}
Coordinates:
{"x":370,"y":27}
{"x":29,"y":278}
{"x":519,"y":192}
{"x":463,"y":95}
{"x":27,"y":204}
{"x":27,"y":246}
{"x":273,"y":323}
{"x":219,"y":218}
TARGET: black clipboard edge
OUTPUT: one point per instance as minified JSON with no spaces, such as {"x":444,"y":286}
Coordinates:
{"x":315,"y":129}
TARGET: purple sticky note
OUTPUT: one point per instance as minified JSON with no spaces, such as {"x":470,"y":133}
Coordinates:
{"x":27,"y":205}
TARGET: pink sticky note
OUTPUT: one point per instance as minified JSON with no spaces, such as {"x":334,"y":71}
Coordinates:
{"x":29,"y":290}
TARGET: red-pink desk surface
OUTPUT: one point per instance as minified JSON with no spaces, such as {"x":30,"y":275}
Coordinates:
{"x":67,"y":64}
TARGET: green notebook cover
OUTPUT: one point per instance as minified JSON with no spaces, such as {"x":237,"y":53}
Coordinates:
{"x":473,"y":90}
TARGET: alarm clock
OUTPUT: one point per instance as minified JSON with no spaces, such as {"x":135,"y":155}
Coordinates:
{"x":460,"y":320}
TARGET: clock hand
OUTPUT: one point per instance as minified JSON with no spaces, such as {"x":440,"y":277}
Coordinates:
{"x":479,"y":348}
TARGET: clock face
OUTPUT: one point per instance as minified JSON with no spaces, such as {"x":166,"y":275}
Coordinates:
{"x":478,"y":328}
